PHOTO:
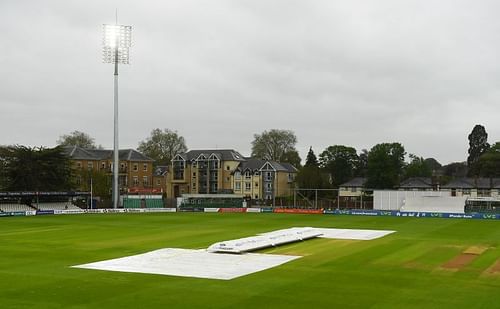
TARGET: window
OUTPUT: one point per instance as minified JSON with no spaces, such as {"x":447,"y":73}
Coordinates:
{"x":136,"y":167}
{"x":145,"y":181}
{"x":269,"y":197}
{"x":79,"y":164}
{"x":135,"y":180}
{"x":237,"y":175}
{"x":248,"y":186}
{"x":269,"y":176}
{"x":194,"y":186}
{"x":103,"y":165}
{"x":194,"y":174}
{"x":256,"y":196}
{"x":256,"y":184}
{"x":248,"y":175}
{"x":290,"y":177}
{"x":145,"y":167}
{"x":228,"y":168}
{"x":90,"y":165}
{"x":269,"y":187}
{"x":237,"y":186}
{"x":353,"y":189}
{"x":78,"y":180}
{"x":466,"y":191}
{"x":257,"y":173}
{"x":158,"y":182}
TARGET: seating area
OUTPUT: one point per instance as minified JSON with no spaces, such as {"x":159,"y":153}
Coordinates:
{"x":154,"y":203}
{"x":146,"y":203}
{"x":56,"y":206}
{"x":14,"y":207}
{"x":131,"y":203}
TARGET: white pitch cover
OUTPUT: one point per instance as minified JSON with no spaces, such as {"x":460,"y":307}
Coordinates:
{"x":192,"y":263}
{"x":266,"y":240}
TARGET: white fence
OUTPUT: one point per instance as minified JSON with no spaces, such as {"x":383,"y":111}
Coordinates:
{"x":394,"y":200}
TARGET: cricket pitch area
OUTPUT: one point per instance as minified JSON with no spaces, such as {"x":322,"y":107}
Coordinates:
{"x":216,"y":262}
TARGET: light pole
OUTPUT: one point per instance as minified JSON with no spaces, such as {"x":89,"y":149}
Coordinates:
{"x":116,"y":42}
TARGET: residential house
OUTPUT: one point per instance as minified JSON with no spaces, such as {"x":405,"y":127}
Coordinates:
{"x":474,"y":187}
{"x":263,"y":179}
{"x":135,"y":170}
{"x":227,"y":171}
{"x":417,"y":184}
{"x":352,"y":188}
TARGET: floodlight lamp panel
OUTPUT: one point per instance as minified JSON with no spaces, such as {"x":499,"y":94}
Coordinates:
{"x":116,"y":40}
{"x":117,"y":35}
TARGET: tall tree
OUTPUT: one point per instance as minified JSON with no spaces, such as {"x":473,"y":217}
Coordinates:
{"x":100,"y":180}
{"x":340,"y":162}
{"x":273,"y":144}
{"x":433,"y":164}
{"x":162,"y":146}
{"x":489,"y":163}
{"x":311,"y":159}
{"x":418,"y":167}
{"x":310,"y":176}
{"x":77,"y":138}
{"x":292,"y":157}
{"x":385,"y":165}
{"x":455,"y":169}
{"x":35,"y":169}
{"x":362,"y":167}
{"x":478,"y":144}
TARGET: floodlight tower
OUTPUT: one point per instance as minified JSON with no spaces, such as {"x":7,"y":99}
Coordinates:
{"x":116,"y":42}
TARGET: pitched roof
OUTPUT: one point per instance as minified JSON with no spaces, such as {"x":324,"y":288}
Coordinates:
{"x":471,"y":183}
{"x":417,"y":182}
{"x":254,"y":164}
{"x":289,"y":167}
{"x":355,"y":182}
{"x":222,"y":154}
{"x":79,"y":153}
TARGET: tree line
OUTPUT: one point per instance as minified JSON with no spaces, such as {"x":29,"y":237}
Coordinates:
{"x":383,"y":166}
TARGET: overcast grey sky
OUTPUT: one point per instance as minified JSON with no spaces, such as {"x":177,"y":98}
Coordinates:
{"x":357,"y":73}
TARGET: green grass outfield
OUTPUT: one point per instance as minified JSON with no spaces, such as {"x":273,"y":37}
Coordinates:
{"x":402,"y":270}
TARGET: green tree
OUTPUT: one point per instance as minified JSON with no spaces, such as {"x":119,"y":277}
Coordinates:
{"x":455,"y":169}
{"x":274,"y":145}
{"x":35,"y":169}
{"x":310,"y":176}
{"x":478,"y":144}
{"x":162,"y":146}
{"x":292,"y":157}
{"x":385,"y":165}
{"x":311,"y":159}
{"x":340,"y":162}
{"x":433,"y":164}
{"x":362,"y":167}
{"x":101,"y":182}
{"x":418,"y":167}
{"x":77,"y":138}
{"x":489,"y":163}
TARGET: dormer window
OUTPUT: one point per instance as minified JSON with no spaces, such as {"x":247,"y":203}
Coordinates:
{"x":248,"y":175}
